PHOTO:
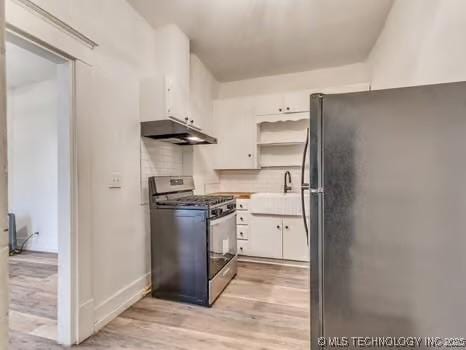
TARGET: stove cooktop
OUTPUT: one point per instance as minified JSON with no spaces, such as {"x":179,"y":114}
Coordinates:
{"x":195,"y":201}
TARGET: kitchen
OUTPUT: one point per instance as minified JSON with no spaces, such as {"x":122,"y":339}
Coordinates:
{"x":236,"y":76}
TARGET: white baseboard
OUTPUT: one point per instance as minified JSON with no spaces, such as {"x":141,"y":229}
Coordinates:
{"x":120,"y":301}
{"x":86,"y":320}
{"x":278,"y":262}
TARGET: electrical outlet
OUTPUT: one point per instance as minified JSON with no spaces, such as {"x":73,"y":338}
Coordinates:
{"x":115,"y":181}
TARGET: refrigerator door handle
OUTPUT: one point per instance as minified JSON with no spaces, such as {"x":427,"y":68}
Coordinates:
{"x":304,"y":187}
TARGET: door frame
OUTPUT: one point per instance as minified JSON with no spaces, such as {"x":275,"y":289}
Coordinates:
{"x":67,"y":296}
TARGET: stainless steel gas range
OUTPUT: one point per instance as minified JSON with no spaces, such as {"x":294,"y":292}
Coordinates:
{"x":193,"y":241}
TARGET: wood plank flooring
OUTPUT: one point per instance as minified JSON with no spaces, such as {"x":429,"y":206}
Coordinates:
{"x":265,"y":307}
{"x":33,"y":294}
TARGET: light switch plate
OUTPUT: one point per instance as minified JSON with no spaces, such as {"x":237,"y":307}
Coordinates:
{"x":115,"y":180}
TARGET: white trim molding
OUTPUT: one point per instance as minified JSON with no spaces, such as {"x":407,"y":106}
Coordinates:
{"x":57,"y":22}
{"x":86,"y":320}
{"x":121,"y":300}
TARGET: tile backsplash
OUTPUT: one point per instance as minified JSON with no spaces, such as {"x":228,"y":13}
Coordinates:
{"x":165,"y":159}
{"x":264,"y":180}
{"x":161,"y":159}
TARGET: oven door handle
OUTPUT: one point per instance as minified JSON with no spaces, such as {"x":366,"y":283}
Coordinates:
{"x":222,"y":219}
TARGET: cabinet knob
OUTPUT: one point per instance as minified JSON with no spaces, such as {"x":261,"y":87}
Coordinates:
{"x":278,"y":226}
{"x":249,"y":155}
{"x":240,"y":205}
{"x":241,"y":233}
{"x":287,"y":108}
{"x":286,"y":227}
{"x":241,"y":218}
{"x":186,"y":118}
{"x":192,"y":121}
{"x":241,"y":248}
{"x":280,"y":109}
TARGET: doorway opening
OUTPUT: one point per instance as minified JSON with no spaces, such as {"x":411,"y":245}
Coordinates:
{"x":39,"y":110}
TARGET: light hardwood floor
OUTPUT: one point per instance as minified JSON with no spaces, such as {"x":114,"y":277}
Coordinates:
{"x":33,"y":295}
{"x":265,"y":307}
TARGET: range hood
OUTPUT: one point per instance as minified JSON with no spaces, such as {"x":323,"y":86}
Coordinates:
{"x":175,"y":132}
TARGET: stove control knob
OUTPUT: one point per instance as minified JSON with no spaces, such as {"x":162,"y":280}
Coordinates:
{"x":216,"y":212}
{"x":231,"y":206}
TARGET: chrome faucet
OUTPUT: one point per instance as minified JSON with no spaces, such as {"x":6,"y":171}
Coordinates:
{"x":287,"y":188}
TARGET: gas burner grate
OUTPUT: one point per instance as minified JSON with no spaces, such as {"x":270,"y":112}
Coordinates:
{"x":196,"y":200}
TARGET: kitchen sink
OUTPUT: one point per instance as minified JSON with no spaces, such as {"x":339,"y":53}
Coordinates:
{"x":277,"y":203}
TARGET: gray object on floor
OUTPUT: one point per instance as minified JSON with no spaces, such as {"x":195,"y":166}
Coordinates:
{"x":13,"y":242}
{"x":13,"y":237}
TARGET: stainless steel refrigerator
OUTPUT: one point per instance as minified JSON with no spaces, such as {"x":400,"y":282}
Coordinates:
{"x":388,"y":213}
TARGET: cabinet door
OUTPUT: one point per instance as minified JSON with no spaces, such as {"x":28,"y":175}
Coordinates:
{"x":196,"y":119}
{"x":177,"y":101}
{"x":295,"y":102}
{"x":294,"y":239}
{"x":236,"y":131}
{"x":153,"y":99}
{"x":269,"y":104}
{"x":265,"y":236}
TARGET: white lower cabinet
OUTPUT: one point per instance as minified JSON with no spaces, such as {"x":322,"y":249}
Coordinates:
{"x":242,"y":227}
{"x":294,"y":239}
{"x":265,"y":236}
{"x":279,"y":237}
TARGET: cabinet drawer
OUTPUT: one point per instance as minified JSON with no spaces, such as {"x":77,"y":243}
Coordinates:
{"x":242,"y":231}
{"x":242,"y":204}
{"x":242,"y":247}
{"x":242,"y":218}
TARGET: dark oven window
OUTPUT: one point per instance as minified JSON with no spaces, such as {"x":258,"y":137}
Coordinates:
{"x":222,"y":242}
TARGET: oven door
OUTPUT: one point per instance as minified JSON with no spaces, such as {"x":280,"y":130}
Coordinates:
{"x":222,"y":242}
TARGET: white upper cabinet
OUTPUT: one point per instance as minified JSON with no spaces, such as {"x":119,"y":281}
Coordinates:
{"x":202,"y":93}
{"x":236,"y":131}
{"x":269,"y":104}
{"x":166,"y":94}
{"x":296,"y":102}
{"x":162,"y":98}
{"x":293,"y":102}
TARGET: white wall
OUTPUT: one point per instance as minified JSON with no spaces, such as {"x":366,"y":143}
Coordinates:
{"x":422,"y":42}
{"x":120,"y":243}
{"x":33,"y":162}
{"x":314,"y":79}
{"x":3,"y":194}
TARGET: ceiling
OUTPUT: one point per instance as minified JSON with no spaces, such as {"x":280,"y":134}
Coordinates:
{"x":240,"y":39}
{"x":24,"y":67}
